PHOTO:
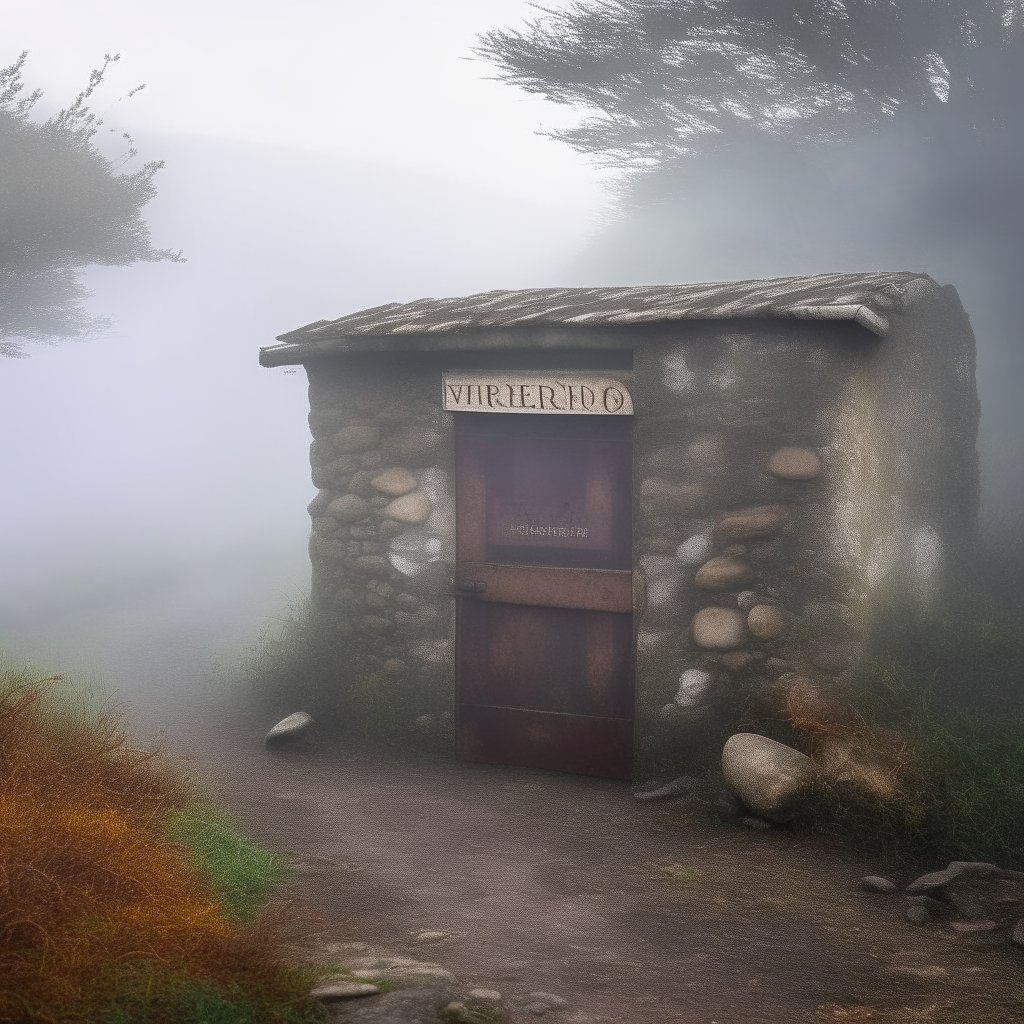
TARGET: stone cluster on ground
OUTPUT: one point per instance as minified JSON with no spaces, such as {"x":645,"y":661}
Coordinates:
{"x":967,"y":897}
{"x":424,"y":992}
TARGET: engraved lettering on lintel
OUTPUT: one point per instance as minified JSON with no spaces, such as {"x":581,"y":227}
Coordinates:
{"x":536,"y":392}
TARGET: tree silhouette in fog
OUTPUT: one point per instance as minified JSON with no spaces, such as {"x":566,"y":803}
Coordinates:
{"x":786,"y":136}
{"x":63,"y":207}
{"x":678,"y":78}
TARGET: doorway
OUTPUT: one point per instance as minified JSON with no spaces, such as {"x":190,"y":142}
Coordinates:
{"x":544,"y":627}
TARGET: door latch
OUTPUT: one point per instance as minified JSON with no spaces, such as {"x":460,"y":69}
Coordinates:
{"x":469,"y":587}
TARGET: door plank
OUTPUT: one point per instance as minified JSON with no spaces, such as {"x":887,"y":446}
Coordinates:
{"x":597,"y":590}
{"x":544,"y":659}
{"x":546,"y":739}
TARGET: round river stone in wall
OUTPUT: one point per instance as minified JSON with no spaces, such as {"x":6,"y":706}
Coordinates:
{"x":752,"y":522}
{"x":394,"y":482}
{"x":348,"y":508}
{"x":722,"y":573}
{"x":718,"y":628}
{"x":412,"y":508}
{"x":795,"y":464}
{"x":356,"y":438}
{"x":766,"y":622}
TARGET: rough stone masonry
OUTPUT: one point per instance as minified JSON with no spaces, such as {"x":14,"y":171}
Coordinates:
{"x":804,"y":451}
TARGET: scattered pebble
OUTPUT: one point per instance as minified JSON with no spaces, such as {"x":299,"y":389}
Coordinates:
{"x":332,"y":990}
{"x":549,"y":998}
{"x":875,"y":883}
{"x":795,"y":464}
{"x":931,"y":971}
{"x":972,"y":926}
{"x":457,"y":1012}
{"x":917,"y":915}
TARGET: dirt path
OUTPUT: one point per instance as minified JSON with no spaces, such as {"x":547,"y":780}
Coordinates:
{"x":635,"y":913}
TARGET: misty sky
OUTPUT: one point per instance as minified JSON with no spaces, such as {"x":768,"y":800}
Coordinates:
{"x":321,"y":158}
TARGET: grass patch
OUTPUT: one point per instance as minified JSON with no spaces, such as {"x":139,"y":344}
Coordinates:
{"x":157,"y":996}
{"x":241,"y":873}
{"x":102,"y":916}
{"x":963,"y":793}
{"x":338,"y":972}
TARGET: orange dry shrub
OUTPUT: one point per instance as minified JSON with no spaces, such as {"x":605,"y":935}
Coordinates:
{"x":89,"y":883}
{"x":843,"y":743}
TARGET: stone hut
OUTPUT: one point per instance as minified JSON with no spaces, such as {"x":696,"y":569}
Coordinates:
{"x":596,"y":520}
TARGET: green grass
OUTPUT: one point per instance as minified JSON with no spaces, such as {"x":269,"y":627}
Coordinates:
{"x":241,"y":873}
{"x":177,"y":1000}
{"x":338,"y":972}
{"x":963,"y":794}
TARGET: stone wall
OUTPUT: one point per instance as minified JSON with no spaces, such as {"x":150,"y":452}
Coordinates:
{"x":789,"y":478}
{"x":791,"y":481}
{"x":383,"y":528}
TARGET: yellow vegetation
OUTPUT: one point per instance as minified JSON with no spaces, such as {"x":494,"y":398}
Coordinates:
{"x":89,"y":883}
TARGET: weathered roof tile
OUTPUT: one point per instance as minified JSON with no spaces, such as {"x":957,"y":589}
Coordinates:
{"x":865,"y":298}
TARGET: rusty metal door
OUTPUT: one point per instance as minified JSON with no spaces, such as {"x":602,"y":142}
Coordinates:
{"x":544,"y":628}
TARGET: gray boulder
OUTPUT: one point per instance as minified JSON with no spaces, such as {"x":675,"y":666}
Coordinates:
{"x":766,"y":776}
{"x":289,"y":729}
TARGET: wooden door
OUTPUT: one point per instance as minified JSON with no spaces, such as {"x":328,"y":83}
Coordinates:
{"x":544,"y":628}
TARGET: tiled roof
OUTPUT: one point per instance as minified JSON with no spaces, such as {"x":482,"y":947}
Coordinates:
{"x":865,"y":298}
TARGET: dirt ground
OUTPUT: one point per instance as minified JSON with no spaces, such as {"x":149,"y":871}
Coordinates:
{"x":518,"y":881}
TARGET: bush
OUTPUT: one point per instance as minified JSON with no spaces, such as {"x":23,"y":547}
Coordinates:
{"x":102,"y":916}
{"x":313,"y":664}
{"x":962,"y":795}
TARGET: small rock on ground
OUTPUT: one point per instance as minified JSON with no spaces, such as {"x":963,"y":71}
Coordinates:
{"x":683,"y":786}
{"x":293,"y":727}
{"x":331,"y":990}
{"x":547,"y":997}
{"x":973,"y":926}
{"x":418,"y":1005}
{"x":923,"y":908}
{"x":457,"y":1012}
{"x":875,"y":883}
{"x":956,"y":869}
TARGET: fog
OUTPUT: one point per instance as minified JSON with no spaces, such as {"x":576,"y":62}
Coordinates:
{"x":155,"y":477}
{"x":876,"y":203}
